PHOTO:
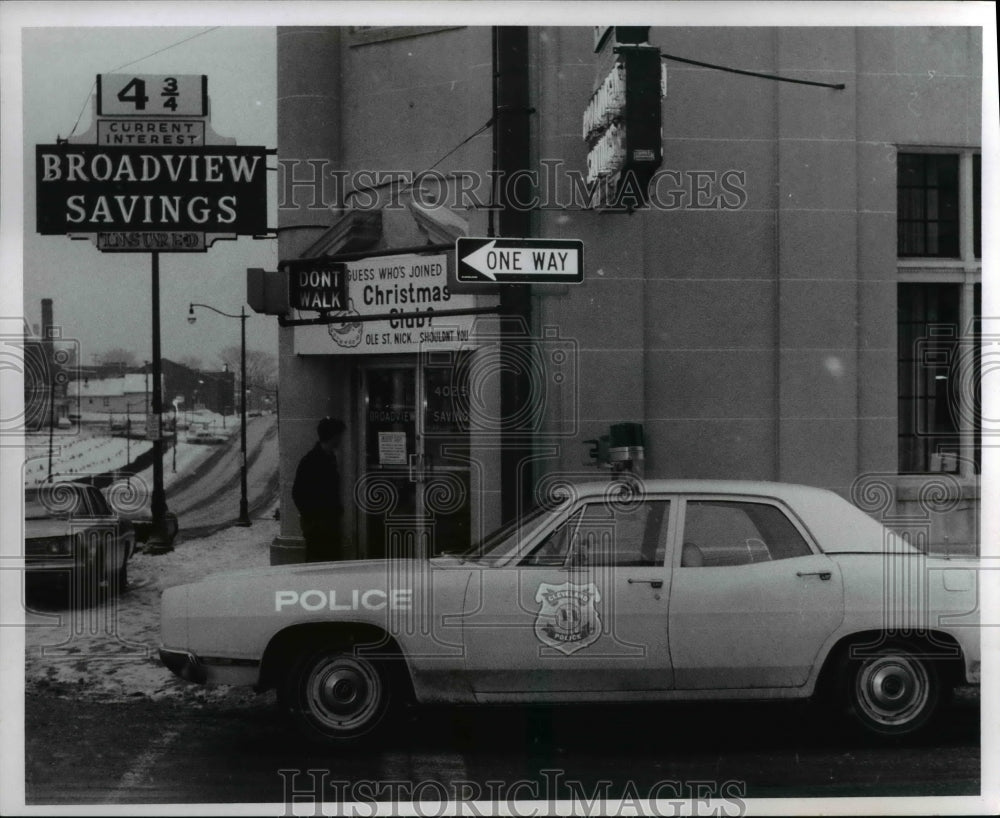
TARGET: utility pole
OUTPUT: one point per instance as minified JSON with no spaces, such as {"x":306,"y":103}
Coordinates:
{"x":511,"y":156}
{"x":159,"y":541}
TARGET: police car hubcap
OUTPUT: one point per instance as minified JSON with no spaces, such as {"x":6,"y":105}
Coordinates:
{"x":344,"y":692}
{"x":893,"y":689}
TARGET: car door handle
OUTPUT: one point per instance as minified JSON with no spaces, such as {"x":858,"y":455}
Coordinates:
{"x":655,"y":583}
{"x":824,"y":575}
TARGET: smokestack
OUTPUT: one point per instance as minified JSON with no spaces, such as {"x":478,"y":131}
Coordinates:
{"x":47,"y":349}
{"x":46,"y":315}
{"x":47,"y":324}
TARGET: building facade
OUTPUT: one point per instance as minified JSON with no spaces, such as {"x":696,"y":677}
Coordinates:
{"x":111,"y":400}
{"x":799,"y":301}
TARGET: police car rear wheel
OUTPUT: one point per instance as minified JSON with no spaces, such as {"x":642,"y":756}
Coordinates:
{"x":893,"y":692}
{"x":337,"y":695}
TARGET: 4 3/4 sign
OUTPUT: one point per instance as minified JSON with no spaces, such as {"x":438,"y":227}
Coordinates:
{"x":148,"y":95}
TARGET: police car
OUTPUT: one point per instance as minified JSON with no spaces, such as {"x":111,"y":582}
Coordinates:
{"x":621,"y":591}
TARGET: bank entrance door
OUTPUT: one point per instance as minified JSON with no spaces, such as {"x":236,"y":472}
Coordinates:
{"x":414,"y":496}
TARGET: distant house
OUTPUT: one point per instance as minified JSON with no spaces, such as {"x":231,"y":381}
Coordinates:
{"x":106,"y":398}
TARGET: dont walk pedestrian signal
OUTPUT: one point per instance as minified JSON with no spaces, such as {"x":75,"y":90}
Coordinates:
{"x":307,"y":284}
{"x":317,"y":286}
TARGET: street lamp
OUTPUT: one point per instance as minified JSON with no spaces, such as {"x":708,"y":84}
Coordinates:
{"x":175,"y":437}
{"x":244,"y":518}
{"x":225,"y":386}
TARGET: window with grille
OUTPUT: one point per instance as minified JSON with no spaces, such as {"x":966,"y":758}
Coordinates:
{"x":927,"y":205}
{"x":939,"y":298}
{"x":928,"y":328}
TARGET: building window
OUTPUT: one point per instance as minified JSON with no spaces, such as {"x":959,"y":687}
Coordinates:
{"x":927,"y":205}
{"x":940,"y":397}
{"x":977,"y":199}
{"x":928,"y":327}
{"x":939,"y":300}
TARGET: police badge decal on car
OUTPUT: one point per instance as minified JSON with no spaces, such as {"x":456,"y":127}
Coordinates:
{"x":568,"y":619}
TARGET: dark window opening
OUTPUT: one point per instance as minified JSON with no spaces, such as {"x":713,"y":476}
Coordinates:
{"x":928,"y":355}
{"x":977,"y":406}
{"x":977,"y":205}
{"x":927,"y":205}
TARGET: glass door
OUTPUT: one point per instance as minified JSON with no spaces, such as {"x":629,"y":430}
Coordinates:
{"x":446,"y":460}
{"x":416,"y":486}
{"x":390,"y":414}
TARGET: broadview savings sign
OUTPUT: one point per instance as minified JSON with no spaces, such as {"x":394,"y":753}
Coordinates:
{"x":102,"y":189}
{"x":151,"y":175}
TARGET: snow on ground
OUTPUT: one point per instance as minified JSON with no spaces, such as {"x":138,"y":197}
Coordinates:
{"x":109,"y":652}
{"x":90,"y":451}
{"x":189,"y":455}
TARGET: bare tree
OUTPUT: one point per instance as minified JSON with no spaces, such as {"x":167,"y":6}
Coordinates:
{"x":120,"y":355}
{"x":262,"y":367}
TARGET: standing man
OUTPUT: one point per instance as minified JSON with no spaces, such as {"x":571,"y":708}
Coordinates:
{"x":316,"y":493}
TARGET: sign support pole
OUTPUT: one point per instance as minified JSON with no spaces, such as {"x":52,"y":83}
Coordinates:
{"x":244,"y":519}
{"x":159,"y":542}
{"x":512,"y":135}
{"x":156,"y":103}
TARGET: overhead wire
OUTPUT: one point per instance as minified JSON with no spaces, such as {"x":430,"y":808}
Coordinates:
{"x":93,"y":85}
{"x":389,"y":183}
{"x":371,"y":188}
{"x":837,"y":86}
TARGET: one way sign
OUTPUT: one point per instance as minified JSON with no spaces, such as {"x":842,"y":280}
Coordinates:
{"x":520,"y":261}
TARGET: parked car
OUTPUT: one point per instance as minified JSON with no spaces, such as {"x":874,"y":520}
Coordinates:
{"x":72,"y":534}
{"x":621,"y":591}
{"x":208,"y":436}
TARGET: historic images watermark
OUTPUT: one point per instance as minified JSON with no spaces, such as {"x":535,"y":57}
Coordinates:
{"x":49,"y":368}
{"x":312,"y":792}
{"x":78,"y":505}
{"x":319,"y":184}
{"x":73,"y":578}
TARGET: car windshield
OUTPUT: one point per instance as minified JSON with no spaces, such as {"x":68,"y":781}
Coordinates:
{"x":497,"y":543}
{"x":57,"y":502}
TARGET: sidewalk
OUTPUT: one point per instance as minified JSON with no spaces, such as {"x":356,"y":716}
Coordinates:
{"x":109,"y":652}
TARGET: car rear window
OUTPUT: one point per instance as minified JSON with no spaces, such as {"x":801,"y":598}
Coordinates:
{"x":721,"y":533}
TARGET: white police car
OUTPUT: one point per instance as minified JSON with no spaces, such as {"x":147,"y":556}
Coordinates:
{"x":621,"y":591}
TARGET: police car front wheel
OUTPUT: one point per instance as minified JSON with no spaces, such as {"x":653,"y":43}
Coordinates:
{"x":337,"y":695}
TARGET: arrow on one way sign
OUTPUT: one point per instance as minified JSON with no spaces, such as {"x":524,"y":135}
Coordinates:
{"x":521,"y":261}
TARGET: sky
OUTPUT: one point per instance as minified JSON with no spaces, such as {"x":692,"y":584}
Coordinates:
{"x":103,"y":300}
